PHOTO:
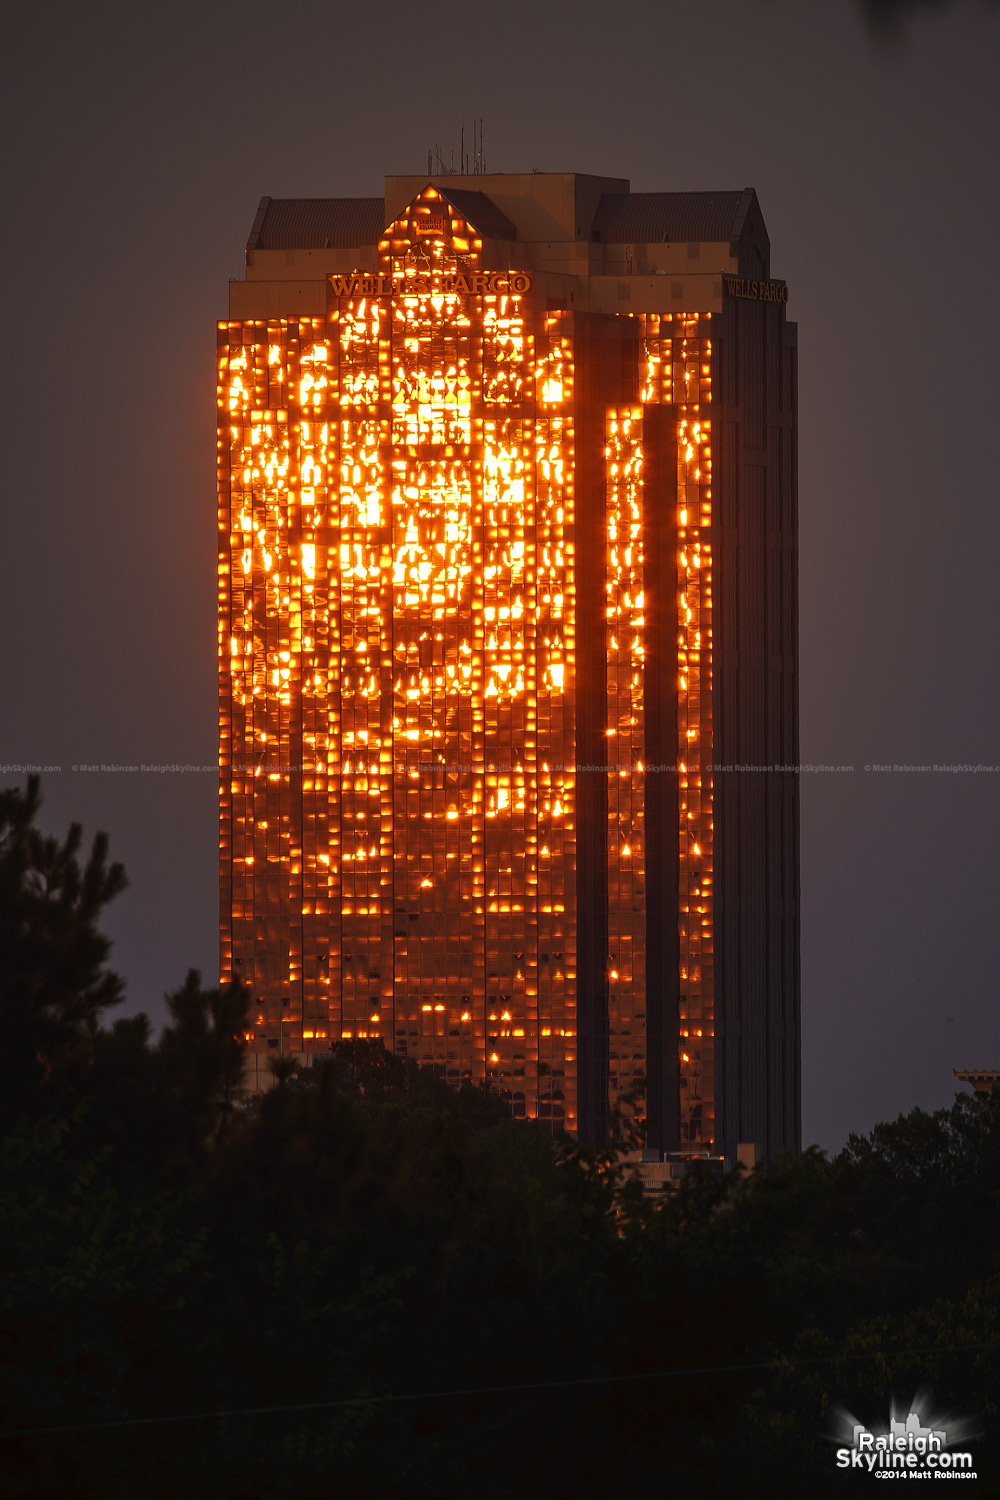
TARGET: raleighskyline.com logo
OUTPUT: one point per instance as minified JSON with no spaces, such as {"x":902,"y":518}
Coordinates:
{"x":914,"y":1446}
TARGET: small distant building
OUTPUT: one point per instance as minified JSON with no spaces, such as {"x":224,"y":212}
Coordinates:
{"x":983,"y":1080}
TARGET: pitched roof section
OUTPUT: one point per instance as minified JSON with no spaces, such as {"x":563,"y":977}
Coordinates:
{"x":647,"y":218}
{"x":341,"y":223}
{"x":317,"y":223}
{"x":479,"y":211}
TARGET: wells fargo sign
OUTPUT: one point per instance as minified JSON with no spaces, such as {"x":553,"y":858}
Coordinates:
{"x":473,"y":282}
{"x":756,"y":291}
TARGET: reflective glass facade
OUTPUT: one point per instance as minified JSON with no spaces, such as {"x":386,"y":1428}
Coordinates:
{"x":468,"y":531}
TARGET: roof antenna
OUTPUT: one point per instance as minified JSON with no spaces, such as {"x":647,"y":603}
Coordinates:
{"x":439,"y":168}
{"x":479,"y":152}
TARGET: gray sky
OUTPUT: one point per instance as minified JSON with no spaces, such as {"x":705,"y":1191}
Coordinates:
{"x":138,"y":147}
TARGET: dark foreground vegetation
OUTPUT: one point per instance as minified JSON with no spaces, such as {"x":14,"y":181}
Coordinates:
{"x":363,"y":1284}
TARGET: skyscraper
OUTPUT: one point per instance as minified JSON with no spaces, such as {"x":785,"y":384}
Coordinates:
{"x":508,"y":650}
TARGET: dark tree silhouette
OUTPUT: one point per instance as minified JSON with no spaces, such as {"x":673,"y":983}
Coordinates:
{"x":54,"y":986}
{"x":487,"y":1311}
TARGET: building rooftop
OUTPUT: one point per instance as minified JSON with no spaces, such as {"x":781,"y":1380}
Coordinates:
{"x":657,"y":217}
{"x":317,"y":223}
{"x":481,"y":211}
{"x":616,"y":218}
{"x":983,"y":1080}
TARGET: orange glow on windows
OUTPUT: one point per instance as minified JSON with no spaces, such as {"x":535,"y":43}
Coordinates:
{"x":397,"y":514}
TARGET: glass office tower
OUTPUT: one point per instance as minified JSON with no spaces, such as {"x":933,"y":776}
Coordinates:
{"x":508,"y":647}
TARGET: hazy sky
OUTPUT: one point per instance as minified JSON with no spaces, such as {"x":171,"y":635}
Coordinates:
{"x":139,"y":144}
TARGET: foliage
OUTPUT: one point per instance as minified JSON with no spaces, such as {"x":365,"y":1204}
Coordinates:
{"x":54,"y":987}
{"x":364,"y":1282}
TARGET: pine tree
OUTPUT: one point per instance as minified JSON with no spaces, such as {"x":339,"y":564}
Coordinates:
{"x":54,"y":983}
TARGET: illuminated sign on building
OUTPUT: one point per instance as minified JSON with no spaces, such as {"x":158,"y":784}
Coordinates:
{"x":419,"y":281}
{"x":756,"y":291}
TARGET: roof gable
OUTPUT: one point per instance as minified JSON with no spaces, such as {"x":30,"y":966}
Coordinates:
{"x":317,"y":223}
{"x":481,"y":212}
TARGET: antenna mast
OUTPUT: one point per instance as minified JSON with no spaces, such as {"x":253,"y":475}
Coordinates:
{"x":436,"y":166}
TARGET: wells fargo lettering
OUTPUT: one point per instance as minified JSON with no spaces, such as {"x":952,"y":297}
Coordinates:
{"x":756,"y":291}
{"x":476,"y":283}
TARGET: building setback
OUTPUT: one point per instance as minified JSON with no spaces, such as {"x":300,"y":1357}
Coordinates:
{"x":508,"y":647}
